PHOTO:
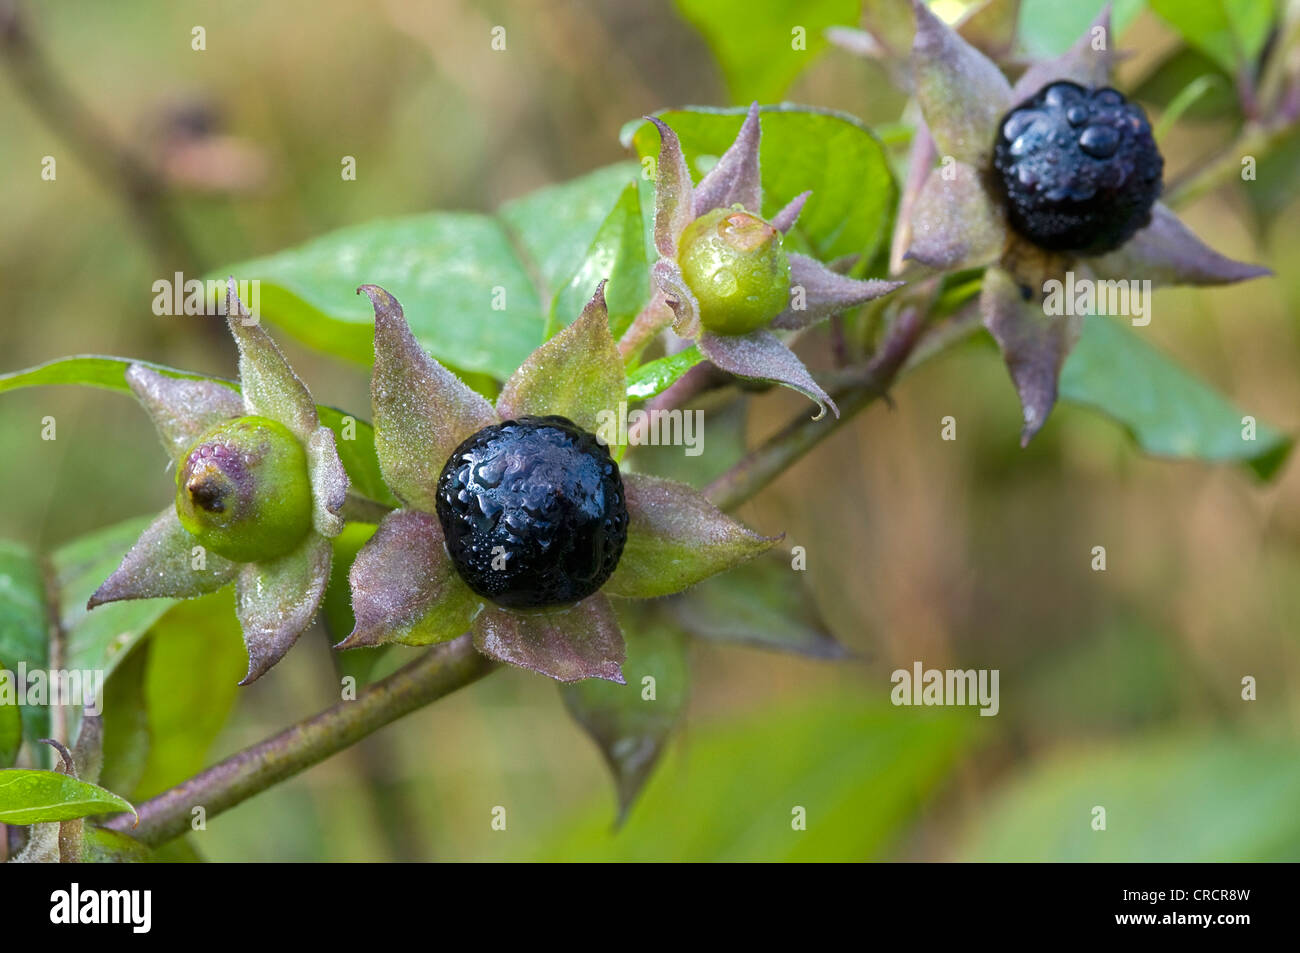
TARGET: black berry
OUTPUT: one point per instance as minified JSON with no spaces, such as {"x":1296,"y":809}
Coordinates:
{"x":1078,"y":168}
{"x":533,"y":512}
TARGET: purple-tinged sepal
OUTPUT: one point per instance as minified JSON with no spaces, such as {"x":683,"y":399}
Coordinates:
{"x":568,"y":644}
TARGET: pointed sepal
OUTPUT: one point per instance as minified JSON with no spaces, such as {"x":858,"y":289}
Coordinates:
{"x":674,"y":193}
{"x":784,"y":220}
{"x":1034,"y":344}
{"x":162,"y":565}
{"x":1167,"y":252}
{"x":760,"y":355}
{"x":582,"y":641}
{"x":276,"y":600}
{"x":182,"y":409}
{"x":405,"y":588}
{"x":1088,"y":62}
{"x":961,"y":92}
{"x":630,"y":733}
{"x":270,"y":387}
{"x":817,"y":293}
{"x":577,"y":374}
{"x":422,"y":411}
{"x":735,"y":180}
{"x":676,"y":538}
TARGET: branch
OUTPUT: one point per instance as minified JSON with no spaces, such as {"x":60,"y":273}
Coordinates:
{"x":438,"y":672}
{"x":454,"y":665}
{"x":858,"y":389}
{"x":1255,"y":140}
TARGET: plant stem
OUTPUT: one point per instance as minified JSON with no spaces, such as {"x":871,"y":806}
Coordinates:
{"x":437,"y":673}
{"x":1257,"y":141}
{"x":654,"y":317}
{"x":454,"y":665}
{"x":859,"y":389}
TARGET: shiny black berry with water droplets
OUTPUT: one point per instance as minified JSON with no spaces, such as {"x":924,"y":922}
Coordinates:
{"x":1078,"y":168}
{"x":533,"y":512}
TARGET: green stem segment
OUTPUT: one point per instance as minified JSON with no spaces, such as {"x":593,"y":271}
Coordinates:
{"x":859,"y":389}
{"x":438,"y":672}
{"x":454,"y":665}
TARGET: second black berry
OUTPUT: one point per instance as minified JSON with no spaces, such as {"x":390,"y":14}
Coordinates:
{"x":1079,"y":168}
{"x":533,"y":512}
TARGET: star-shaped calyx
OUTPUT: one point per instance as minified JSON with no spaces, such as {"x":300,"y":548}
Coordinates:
{"x":516,"y":522}
{"x":724,"y":273}
{"x":259,"y":487}
{"x":1056,"y":174}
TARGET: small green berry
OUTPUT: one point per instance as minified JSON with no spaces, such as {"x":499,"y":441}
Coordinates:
{"x":243,"y":490}
{"x":734,"y":264}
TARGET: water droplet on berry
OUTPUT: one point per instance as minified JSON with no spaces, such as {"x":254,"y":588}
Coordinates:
{"x":1100,"y":142}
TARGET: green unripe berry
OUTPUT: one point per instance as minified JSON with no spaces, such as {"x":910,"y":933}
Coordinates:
{"x":243,"y":490}
{"x":734,"y":264}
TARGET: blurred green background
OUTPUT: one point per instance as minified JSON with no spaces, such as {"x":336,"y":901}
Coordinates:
{"x":1118,"y":688}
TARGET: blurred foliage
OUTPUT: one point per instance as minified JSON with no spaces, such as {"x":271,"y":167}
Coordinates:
{"x":631,"y":723}
{"x":857,"y":771}
{"x":191,"y":679}
{"x":1231,"y":32}
{"x":1187,"y":798}
{"x":1050,"y":27}
{"x":1120,"y":688}
{"x":1167,"y":411}
{"x":762,"y":45}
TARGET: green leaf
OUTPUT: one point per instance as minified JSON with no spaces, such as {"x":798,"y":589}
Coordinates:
{"x":734,"y":786}
{"x":126,"y":723}
{"x":762,"y":45}
{"x":24,"y":630}
{"x":475,"y":288}
{"x":554,"y":227}
{"x":1231,"y":32}
{"x":1186,"y":68}
{"x":11,"y":718}
{"x":107,"y":846}
{"x":631,"y":723}
{"x":675,"y":539}
{"x":196,"y":659}
{"x":465,"y":292}
{"x":98,"y":640}
{"x":1050,"y":27}
{"x":1168,"y":411}
{"x":1184,"y":799}
{"x":354,"y":437}
{"x":618,"y":255}
{"x":1276,"y":178}
{"x":179,"y":850}
{"x":336,"y":608}
{"x":764,"y":604}
{"x":32,"y":797}
{"x":577,"y":374}
{"x":835,"y":155}
{"x":655,"y":377}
